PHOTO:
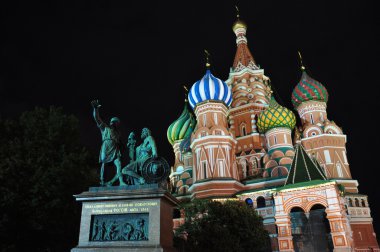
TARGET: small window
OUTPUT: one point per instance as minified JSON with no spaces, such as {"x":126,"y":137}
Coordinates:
{"x":350,"y":202}
{"x":311,"y":119}
{"x":339,"y":170}
{"x":218,"y":132}
{"x":260,"y":202}
{"x":313,"y":133}
{"x":221,"y":168}
{"x":357,"y":202}
{"x":275,"y":139}
{"x":204,"y":166}
{"x":249,"y":202}
{"x":243,"y":131}
{"x":203,"y":134}
{"x":327,"y":156}
{"x":363,"y":203}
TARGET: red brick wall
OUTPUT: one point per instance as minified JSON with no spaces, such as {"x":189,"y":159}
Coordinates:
{"x":363,"y":236}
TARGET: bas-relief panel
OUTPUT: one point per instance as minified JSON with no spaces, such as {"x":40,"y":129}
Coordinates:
{"x":119,"y":227}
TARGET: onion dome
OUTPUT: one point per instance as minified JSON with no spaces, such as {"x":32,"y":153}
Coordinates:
{"x":182,"y":127}
{"x":275,"y":116}
{"x":209,"y":88}
{"x":308,"y":89}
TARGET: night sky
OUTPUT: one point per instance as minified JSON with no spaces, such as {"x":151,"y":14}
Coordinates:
{"x":135,"y":58}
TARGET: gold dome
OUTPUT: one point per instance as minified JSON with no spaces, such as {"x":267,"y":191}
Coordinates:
{"x":275,"y":116}
{"x":238,"y":24}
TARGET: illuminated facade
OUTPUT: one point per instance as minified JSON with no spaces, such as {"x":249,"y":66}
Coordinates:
{"x":239,"y":144}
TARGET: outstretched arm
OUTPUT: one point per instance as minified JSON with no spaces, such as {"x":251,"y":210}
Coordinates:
{"x":95,"y":104}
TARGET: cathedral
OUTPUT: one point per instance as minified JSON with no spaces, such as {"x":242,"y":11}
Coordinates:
{"x":233,"y":140}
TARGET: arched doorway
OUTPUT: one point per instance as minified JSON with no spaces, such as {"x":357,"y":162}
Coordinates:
{"x":300,"y":230}
{"x":320,"y":229}
{"x":311,"y":231}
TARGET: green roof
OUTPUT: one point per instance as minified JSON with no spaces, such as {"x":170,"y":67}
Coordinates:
{"x":303,"y":184}
{"x":303,"y":168}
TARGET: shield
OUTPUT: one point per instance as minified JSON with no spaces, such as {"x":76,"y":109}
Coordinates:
{"x":155,"y":170}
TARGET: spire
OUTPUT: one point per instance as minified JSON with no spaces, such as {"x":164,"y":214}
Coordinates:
{"x":304,"y":168}
{"x":186,"y":92}
{"x":243,"y":57}
{"x":237,"y":12}
{"x":207,"y":59}
{"x":301,"y":62}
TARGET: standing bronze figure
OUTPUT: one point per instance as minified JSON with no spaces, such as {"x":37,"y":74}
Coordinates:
{"x":111,"y":144}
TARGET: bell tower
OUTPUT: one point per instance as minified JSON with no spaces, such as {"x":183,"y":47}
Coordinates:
{"x":251,"y":94}
{"x":321,"y":138}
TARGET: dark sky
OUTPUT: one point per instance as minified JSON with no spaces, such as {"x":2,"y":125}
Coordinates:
{"x":136,"y":56}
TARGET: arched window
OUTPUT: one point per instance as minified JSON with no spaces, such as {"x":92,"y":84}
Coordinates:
{"x":350,"y":202}
{"x":339,"y":170}
{"x":243,"y":130}
{"x":244,"y":167}
{"x":311,"y":119}
{"x":204,"y":167}
{"x":260,"y":202}
{"x":363,"y":203}
{"x":221,"y":168}
{"x":357,"y":202}
{"x":249,"y":202}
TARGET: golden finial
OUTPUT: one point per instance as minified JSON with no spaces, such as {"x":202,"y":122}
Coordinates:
{"x":302,"y":66}
{"x":237,"y":12}
{"x":186,"y":92}
{"x":238,"y":23}
{"x":207,"y":59}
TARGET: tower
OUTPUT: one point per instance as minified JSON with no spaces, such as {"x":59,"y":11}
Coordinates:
{"x":212,"y":144}
{"x":251,"y":93}
{"x":277,"y":123}
{"x":321,"y":137}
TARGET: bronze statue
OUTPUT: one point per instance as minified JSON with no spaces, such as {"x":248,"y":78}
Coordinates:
{"x":111,"y":145}
{"x":131,"y":146}
{"x":147,"y":149}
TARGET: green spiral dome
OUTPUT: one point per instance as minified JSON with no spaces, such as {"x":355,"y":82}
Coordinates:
{"x":308,"y":89}
{"x":182,"y":127}
{"x":275,"y":116}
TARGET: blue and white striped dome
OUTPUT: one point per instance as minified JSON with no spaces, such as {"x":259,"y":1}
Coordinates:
{"x":209,"y":88}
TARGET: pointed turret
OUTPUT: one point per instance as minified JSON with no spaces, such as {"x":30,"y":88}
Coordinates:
{"x":304,"y":168}
{"x":243,"y":57}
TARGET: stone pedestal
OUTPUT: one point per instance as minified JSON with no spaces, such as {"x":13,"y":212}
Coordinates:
{"x":126,"y":219}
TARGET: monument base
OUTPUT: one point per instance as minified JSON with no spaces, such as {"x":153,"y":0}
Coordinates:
{"x":123,"y":249}
{"x":119,"y":218}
